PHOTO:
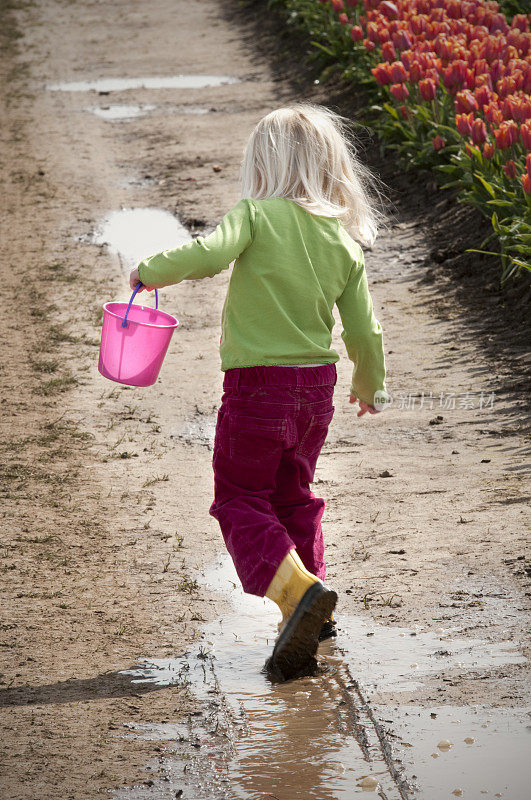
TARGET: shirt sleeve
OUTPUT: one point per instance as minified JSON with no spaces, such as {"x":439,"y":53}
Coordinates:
{"x":203,"y":257}
{"x":362,"y":334}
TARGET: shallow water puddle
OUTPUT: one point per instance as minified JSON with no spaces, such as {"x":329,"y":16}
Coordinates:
{"x":201,"y":430}
{"x":134,"y":233}
{"x":122,"y":84}
{"x":396,"y":659}
{"x":117,"y":113}
{"x":472,"y":752}
{"x":308,"y":739}
{"x":318,"y":737}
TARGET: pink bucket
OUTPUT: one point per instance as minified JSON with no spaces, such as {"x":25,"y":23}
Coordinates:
{"x":134,"y":340}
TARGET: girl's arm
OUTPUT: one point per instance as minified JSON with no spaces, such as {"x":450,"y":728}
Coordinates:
{"x":204,"y":256}
{"x":362,"y":334}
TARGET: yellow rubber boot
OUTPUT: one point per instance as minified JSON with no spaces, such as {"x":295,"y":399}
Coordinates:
{"x":289,"y":585}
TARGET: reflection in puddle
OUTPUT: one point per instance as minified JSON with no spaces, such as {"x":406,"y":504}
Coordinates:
{"x":493,"y":764}
{"x":121,"y":84}
{"x":120,"y":112}
{"x":317,"y":737}
{"x":135,"y":233}
{"x":395,"y":659}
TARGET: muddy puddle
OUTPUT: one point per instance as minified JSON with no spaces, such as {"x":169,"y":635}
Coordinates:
{"x":124,"y":113}
{"x":118,"y":113}
{"x":134,"y":233}
{"x":320,"y":737}
{"x":200,"y":430}
{"x":123,"y":84}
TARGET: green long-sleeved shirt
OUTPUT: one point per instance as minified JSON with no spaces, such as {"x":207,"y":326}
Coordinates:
{"x":291,"y":268}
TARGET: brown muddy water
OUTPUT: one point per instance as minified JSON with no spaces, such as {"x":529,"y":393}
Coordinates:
{"x":321,"y":737}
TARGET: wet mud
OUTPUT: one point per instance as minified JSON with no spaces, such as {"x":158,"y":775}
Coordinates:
{"x":321,"y":736}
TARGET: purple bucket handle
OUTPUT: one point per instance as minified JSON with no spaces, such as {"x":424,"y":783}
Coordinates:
{"x":135,"y":290}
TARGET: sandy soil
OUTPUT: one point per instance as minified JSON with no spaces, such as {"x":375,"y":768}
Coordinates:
{"x":105,"y":489}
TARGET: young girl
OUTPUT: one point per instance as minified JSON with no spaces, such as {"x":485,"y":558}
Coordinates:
{"x":302,"y":186}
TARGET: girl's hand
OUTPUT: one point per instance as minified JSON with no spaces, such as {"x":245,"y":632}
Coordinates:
{"x":134,"y":278}
{"x":364,"y":407}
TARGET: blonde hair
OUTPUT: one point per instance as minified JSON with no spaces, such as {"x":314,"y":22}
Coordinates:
{"x":305,"y":153}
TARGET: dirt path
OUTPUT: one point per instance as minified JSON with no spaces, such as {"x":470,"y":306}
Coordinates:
{"x":105,"y":489}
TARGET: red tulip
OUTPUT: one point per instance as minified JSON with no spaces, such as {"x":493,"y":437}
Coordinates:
{"x":404,"y":110}
{"x":525,"y":135}
{"x":399,"y":91}
{"x":343,"y":19}
{"x":427,"y":89}
{"x":510,"y":170}
{"x":402,"y":40}
{"x":479,"y":131}
{"x":528,"y":164}
{"x":483,"y":95}
{"x":373,"y":33}
{"x":521,"y":21}
{"x":382,"y":74}
{"x":337,"y":5}
{"x":352,"y":3}
{"x":506,"y":135}
{"x":464,"y":123}
{"x":465,"y":102}
{"x":488,"y":150}
{"x":415,"y":73}
{"x":454,"y":75}
{"x":493,"y":114}
{"x":389,"y":9}
{"x":526,"y":183}
{"x":368,"y":45}
{"x":438,"y":143}
{"x":406,"y":57}
{"x":398,"y":72}
{"x":388,"y":51}
{"x":356,"y":33}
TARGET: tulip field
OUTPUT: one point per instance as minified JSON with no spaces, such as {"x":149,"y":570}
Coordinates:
{"x":448,"y":88}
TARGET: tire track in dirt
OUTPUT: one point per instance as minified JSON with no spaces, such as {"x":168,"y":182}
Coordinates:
{"x":100,"y":552}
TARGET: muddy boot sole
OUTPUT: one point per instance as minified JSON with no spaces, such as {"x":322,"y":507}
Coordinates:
{"x":297,"y":645}
{"x":327,"y":631}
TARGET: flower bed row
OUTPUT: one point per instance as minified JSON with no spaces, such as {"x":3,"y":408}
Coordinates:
{"x":450,"y":87}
